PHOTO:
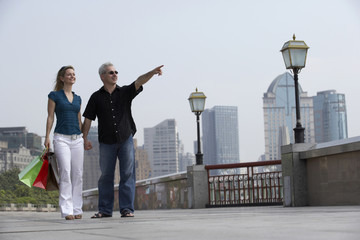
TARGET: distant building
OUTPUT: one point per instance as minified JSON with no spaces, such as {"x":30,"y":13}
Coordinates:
{"x":185,"y":160}
{"x":161,"y":144}
{"x":280,"y":115}
{"x":142,"y":163}
{"x":18,"y":147}
{"x":19,"y":136}
{"x":3,"y":145}
{"x":18,"y":157}
{"x":330,"y":116}
{"x":220,"y":141}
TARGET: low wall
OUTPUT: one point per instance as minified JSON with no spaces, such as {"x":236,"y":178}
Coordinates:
{"x":325,"y":174}
{"x":164,"y":192}
{"x":333,"y":174}
{"x":28,"y":207}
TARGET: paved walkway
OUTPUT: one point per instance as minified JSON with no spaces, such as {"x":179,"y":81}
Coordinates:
{"x":274,"y":222}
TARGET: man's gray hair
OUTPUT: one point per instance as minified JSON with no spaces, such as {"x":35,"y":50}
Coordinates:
{"x":103,"y":67}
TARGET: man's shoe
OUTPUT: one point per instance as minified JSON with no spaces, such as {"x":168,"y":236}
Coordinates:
{"x":101,"y":215}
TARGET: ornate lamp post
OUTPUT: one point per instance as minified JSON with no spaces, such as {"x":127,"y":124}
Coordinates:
{"x":197,"y":105}
{"x":294,"y":53}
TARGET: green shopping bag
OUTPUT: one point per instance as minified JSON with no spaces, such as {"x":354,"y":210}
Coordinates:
{"x":29,"y":174}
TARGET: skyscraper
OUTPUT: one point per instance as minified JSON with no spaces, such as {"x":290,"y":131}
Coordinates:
{"x":280,"y":115}
{"x":220,"y":135}
{"x":330,"y":116}
{"x":161,"y":144}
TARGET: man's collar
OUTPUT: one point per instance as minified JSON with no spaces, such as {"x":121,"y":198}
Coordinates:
{"x":103,"y":88}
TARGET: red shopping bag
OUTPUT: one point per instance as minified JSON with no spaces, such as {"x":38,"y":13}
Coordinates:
{"x":42,"y":177}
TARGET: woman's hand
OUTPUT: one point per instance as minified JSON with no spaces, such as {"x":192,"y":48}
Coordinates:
{"x":47,"y":142}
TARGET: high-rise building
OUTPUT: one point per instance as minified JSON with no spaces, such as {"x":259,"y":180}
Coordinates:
{"x":220,"y":139}
{"x":280,"y":115}
{"x":161,"y":144}
{"x":330,"y":116}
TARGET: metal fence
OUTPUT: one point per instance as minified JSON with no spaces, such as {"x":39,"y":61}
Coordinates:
{"x":245,"y":184}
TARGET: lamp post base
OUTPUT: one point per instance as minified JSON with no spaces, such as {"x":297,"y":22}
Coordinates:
{"x":299,"y":134}
{"x":199,"y":159}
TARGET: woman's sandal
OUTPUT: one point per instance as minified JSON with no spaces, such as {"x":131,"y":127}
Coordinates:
{"x":127,"y":213}
{"x":78,"y":216}
{"x":101,"y":215}
{"x":69,"y":217}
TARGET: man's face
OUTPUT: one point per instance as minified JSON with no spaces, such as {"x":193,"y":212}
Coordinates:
{"x":110,"y":76}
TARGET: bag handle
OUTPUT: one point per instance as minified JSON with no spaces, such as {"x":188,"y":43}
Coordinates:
{"x":45,"y":151}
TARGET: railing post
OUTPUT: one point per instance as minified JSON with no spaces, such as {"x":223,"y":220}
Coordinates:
{"x":197,"y":183}
{"x":294,"y":174}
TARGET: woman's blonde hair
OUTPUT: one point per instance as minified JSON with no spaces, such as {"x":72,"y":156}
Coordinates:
{"x":61,"y":73}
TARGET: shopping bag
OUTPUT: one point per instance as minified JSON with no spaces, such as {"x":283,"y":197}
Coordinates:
{"x":53,"y":175}
{"x":29,"y":174}
{"x":42,"y":177}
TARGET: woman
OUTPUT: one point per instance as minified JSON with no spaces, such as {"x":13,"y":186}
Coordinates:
{"x":68,"y":142}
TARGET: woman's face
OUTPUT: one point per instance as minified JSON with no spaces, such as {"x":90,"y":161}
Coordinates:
{"x":69,"y":76}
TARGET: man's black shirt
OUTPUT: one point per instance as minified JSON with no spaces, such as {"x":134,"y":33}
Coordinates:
{"x":115,"y":121}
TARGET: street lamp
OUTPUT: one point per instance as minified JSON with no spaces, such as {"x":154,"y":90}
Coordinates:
{"x":197,"y":105}
{"x":294,"y":53}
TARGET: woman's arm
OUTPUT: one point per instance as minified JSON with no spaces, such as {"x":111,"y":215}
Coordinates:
{"x":79,"y":118}
{"x":49,"y":122}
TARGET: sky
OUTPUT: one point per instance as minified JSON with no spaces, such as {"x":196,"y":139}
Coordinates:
{"x":228,"y":49}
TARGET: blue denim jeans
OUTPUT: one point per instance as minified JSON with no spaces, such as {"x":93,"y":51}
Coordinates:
{"x":109,"y":153}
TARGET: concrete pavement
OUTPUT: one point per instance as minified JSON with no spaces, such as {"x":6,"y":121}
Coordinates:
{"x":275,"y":222}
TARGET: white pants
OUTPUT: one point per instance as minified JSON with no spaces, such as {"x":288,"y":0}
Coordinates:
{"x":70,"y":158}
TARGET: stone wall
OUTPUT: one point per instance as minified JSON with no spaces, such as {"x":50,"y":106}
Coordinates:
{"x":334,"y":178}
{"x":325,"y":174}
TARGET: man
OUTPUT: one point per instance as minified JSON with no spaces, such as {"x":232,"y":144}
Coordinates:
{"x":111,"y":104}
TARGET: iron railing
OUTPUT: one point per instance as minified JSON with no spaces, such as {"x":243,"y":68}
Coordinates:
{"x":245,"y":184}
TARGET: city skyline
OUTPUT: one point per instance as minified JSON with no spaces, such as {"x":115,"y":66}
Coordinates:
{"x":228,"y":50}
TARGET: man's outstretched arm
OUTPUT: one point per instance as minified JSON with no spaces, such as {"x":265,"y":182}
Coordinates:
{"x":147,"y":76}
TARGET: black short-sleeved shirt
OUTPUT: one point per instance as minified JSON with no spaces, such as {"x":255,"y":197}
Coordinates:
{"x":115,"y":121}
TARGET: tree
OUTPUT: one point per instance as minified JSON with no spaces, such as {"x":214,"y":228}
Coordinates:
{"x":14,"y":191}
